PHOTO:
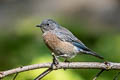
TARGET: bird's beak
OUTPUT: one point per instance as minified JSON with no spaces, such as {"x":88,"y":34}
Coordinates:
{"x":39,"y":25}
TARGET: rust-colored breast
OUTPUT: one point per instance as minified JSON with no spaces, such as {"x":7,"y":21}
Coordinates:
{"x":59,"y":47}
{"x":51,"y":40}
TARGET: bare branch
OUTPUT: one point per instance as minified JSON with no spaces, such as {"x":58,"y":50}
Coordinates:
{"x":15,"y":76}
{"x":43,"y":74}
{"x":64,"y":65}
{"x":98,"y":74}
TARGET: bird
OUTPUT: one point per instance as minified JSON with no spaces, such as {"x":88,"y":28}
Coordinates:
{"x":62,"y":42}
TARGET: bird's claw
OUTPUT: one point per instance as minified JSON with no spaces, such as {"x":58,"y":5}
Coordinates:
{"x":66,"y":61}
{"x":55,"y":62}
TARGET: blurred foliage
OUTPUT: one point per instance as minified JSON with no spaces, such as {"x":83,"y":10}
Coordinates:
{"x":96,"y":23}
{"x":23,"y":45}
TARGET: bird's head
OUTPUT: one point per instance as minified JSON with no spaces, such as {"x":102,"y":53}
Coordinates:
{"x":48,"y":25}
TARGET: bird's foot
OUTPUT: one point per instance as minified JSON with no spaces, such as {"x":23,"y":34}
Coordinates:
{"x":66,"y":61}
{"x":55,"y":62}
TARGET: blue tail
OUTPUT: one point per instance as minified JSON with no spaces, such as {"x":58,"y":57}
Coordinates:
{"x":82,"y":48}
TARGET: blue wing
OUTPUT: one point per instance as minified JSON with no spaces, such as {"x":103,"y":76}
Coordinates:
{"x":65,"y":35}
{"x":80,"y":45}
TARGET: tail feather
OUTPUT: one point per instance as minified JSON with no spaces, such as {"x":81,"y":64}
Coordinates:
{"x":85,"y":50}
{"x":93,"y":53}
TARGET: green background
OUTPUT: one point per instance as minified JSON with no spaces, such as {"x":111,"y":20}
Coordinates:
{"x":21,"y":42}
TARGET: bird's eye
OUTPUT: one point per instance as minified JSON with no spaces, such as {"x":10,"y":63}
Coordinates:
{"x":47,"y":24}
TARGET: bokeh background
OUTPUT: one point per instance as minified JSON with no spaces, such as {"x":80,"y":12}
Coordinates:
{"x":95,"y":22}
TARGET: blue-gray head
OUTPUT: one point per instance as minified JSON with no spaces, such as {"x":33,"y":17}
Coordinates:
{"x":47,"y":25}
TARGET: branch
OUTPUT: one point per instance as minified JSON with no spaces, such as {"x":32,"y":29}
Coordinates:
{"x":64,"y":65}
{"x":98,"y":74}
{"x":44,"y":74}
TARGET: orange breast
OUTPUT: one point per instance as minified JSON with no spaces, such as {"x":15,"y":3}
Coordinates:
{"x":51,"y":40}
{"x":57,"y":46}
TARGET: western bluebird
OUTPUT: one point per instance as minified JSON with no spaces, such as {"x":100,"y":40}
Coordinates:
{"x":62,"y":42}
